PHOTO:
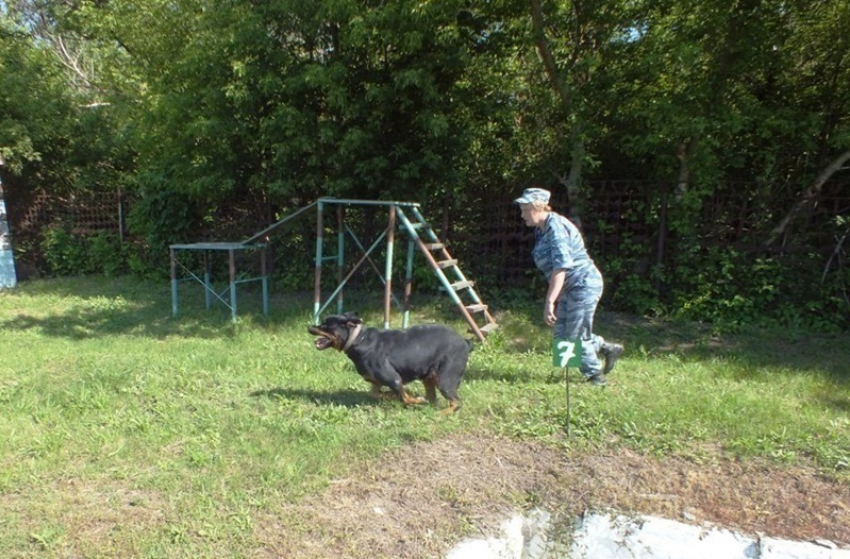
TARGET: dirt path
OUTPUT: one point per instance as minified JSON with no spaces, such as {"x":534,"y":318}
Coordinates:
{"x":408,"y":506}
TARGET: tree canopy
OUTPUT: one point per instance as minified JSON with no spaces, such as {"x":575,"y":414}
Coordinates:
{"x":210,"y":101}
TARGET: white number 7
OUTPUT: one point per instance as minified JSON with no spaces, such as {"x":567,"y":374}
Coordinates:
{"x":566,"y":351}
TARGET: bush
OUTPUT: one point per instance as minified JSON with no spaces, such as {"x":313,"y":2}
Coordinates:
{"x":64,"y":253}
{"x":108,"y":254}
{"x":72,"y":255}
{"x":160,"y":217}
{"x":731,"y":289}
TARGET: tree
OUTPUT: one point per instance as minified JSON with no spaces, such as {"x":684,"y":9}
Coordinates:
{"x":37,"y":116}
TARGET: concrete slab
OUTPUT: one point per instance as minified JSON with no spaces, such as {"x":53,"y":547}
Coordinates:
{"x":787,"y":549}
{"x":644,"y":537}
{"x":617,"y":536}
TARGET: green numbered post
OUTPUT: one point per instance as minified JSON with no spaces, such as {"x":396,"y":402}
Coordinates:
{"x":566,"y":353}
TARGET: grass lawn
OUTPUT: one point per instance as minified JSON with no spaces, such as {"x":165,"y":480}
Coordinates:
{"x":126,"y":432}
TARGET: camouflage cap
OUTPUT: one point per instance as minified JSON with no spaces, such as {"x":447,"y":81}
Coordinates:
{"x":531,"y":195}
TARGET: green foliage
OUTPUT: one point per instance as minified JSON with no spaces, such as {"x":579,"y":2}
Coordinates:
{"x":161,"y":217}
{"x":108,"y":254}
{"x":65,"y":253}
{"x":291,"y":98}
{"x":192,"y":106}
{"x":37,"y":111}
{"x":730,"y":289}
{"x":68,"y":254}
{"x":636,"y":293}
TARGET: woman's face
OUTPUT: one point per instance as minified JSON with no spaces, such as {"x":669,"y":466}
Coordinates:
{"x":532,"y":216}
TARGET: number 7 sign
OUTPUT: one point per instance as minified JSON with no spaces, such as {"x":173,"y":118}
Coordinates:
{"x":566,"y":353}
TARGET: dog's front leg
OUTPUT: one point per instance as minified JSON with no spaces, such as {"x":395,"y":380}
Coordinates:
{"x":393,"y":380}
{"x":408,"y":399}
{"x":375,"y":392}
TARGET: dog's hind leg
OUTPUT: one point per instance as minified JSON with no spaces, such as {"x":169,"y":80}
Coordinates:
{"x":448,"y":382}
{"x":454,"y":405}
{"x":430,"y":383}
{"x":448,"y":388}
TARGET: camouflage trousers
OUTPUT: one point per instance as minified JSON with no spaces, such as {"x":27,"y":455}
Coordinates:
{"x":574,"y":320}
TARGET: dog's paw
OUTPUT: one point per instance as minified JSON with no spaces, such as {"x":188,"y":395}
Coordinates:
{"x":410,"y":400}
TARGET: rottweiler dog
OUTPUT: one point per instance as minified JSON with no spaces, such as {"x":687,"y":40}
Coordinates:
{"x":434,"y":354}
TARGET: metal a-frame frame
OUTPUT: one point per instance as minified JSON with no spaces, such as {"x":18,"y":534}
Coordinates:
{"x":406,"y":217}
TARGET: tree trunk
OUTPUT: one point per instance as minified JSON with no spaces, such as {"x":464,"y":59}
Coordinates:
{"x":684,"y":155}
{"x":545,"y":53}
{"x":809,"y":197}
{"x":572,"y":181}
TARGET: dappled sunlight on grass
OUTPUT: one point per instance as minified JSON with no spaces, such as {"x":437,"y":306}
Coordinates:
{"x":105,"y":386}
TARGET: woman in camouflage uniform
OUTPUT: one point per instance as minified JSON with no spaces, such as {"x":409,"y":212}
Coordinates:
{"x":575,"y":283}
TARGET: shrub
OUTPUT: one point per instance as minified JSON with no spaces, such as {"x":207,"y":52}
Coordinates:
{"x":64,"y":253}
{"x":67,"y":254}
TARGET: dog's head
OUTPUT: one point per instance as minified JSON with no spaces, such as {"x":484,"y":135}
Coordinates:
{"x":335,"y":330}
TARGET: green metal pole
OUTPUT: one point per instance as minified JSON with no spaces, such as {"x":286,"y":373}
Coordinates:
{"x":207,"y":281}
{"x":408,"y":282}
{"x":264,"y":270}
{"x":567,"y":376}
{"x":340,"y":254}
{"x":389,"y":268}
{"x":233,"y":285}
{"x":173,"y":283}
{"x":317,"y":286}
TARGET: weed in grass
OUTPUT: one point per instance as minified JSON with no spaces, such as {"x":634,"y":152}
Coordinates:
{"x":47,"y":537}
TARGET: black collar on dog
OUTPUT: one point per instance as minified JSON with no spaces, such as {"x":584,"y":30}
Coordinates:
{"x":352,"y":337}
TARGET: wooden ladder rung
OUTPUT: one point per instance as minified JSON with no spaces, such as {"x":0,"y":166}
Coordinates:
{"x":489,"y":327}
{"x":448,"y":262}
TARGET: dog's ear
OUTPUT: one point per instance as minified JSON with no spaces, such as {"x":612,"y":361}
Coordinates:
{"x":353,"y":318}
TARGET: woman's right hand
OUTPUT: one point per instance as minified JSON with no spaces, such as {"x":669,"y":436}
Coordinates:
{"x":549,"y":314}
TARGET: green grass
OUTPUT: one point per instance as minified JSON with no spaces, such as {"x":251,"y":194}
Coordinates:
{"x":127,"y":432}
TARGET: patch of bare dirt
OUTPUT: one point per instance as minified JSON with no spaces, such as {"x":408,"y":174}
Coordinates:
{"x":421,"y":501}
{"x":91,"y":514}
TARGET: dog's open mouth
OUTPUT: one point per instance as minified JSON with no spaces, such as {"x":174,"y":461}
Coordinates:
{"x":323,"y":343}
{"x":324,"y":339}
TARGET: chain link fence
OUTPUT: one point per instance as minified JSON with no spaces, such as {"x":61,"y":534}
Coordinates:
{"x":619,"y":218}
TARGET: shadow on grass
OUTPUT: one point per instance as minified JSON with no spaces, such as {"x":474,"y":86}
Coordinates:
{"x":344,"y":398}
{"x":757,"y":348}
{"x":89,"y":307}
{"x":512,"y":376}
{"x":755,"y":351}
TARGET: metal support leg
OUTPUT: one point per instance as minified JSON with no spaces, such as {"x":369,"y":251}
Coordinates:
{"x":173,"y":282}
{"x":232,"y":284}
{"x":408,"y":283}
{"x":265,"y":273}
{"x":317,"y":285}
{"x":340,"y":254}
{"x":207,"y":281}
{"x":389,"y":268}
